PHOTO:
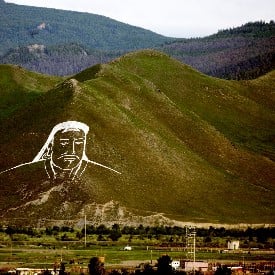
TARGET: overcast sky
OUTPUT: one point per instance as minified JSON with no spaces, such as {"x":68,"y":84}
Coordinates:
{"x":175,"y":18}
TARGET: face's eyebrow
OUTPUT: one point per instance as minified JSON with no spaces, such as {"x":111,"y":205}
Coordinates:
{"x":65,"y":139}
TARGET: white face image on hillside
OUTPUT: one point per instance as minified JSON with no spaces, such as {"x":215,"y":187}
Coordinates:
{"x":64,"y":153}
{"x":60,"y":180}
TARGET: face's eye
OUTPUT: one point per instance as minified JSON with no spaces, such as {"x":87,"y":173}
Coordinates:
{"x":79,"y":142}
{"x":64,"y":142}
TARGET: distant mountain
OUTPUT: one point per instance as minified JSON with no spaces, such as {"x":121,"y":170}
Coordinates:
{"x":244,"y":52}
{"x":62,"y":43}
{"x":59,"y":60}
{"x":25,"y":25}
{"x":190,"y":148}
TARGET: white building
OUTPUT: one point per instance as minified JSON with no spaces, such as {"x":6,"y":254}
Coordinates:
{"x":233,"y":245}
{"x":175,"y":264}
{"x":34,"y":271}
{"x":199,"y":266}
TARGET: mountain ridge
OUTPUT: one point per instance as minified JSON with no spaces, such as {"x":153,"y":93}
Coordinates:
{"x":182,"y":141}
{"x":61,"y":26}
{"x":59,"y":42}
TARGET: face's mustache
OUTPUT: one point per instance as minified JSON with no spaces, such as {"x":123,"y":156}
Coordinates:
{"x":69,"y":157}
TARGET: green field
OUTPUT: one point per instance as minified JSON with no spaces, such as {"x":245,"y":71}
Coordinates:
{"x":76,"y":254}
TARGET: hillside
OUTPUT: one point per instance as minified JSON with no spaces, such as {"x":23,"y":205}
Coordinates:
{"x":25,"y":25}
{"x":18,"y":87}
{"x":59,"y":60}
{"x":245,"y":52}
{"x":190,"y":148}
{"x":63,"y":43}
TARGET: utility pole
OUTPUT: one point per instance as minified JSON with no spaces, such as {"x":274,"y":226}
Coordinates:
{"x":85,"y":231}
{"x":194,"y":245}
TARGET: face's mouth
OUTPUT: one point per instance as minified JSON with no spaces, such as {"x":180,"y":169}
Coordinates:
{"x":69,"y":158}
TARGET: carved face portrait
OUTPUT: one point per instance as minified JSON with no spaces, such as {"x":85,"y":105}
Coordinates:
{"x":63,"y":155}
{"x":68,"y":148}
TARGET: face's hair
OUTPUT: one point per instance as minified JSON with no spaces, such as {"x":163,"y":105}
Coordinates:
{"x":67,"y":126}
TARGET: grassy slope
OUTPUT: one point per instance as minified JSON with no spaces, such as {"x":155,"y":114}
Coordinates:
{"x":190,"y":146}
{"x":18,"y":87}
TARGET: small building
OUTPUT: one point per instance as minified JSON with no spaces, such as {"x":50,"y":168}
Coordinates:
{"x":34,"y":271}
{"x":198,"y":266}
{"x":175,"y":264}
{"x":233,"y":245}
{"x":236,"y":269}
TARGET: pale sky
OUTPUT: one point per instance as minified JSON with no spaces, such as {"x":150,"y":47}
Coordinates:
{"x":174,"y":18}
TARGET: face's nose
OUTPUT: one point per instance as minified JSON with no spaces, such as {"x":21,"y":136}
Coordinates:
{"x":72,"y":146}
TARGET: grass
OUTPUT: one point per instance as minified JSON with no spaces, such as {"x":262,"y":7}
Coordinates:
{"x":43,"y":251}
{"x":114,"y":255}
{"x":19,"y":87}
{"x":191,"y":147}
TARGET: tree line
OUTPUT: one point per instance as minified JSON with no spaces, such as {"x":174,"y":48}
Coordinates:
{"x":249,"y":232}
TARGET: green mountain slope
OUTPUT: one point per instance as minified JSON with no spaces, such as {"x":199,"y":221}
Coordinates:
{"x":189,"y":147}
{"x":18,"y":87}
